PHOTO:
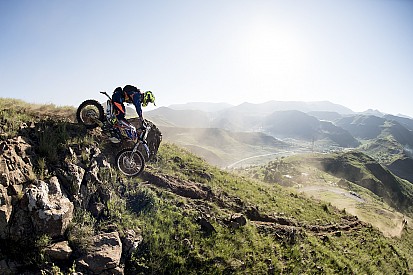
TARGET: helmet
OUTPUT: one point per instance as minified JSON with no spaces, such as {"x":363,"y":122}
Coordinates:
{"x":148,"y":97}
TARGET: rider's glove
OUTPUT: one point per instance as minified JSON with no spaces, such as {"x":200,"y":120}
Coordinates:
{"x":113,"y":120}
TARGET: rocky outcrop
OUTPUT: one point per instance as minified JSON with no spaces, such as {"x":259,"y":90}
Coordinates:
{"x":38,"y":197}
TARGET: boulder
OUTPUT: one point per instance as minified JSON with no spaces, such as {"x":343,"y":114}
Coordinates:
{"x":103,"y":255}
{"x":51,"y":212}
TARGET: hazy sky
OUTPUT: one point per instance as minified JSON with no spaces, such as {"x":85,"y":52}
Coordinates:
{"x":358,"y":53}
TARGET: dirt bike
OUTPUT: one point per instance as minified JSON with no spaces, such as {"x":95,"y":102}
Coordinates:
{"x":129,"y":161}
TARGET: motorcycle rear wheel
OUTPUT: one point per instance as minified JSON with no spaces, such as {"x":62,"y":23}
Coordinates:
{"x":130,"y":163}
{"x":89,"y":112}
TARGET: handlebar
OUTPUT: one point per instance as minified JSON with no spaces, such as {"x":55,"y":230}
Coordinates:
{"x":105,"y":93}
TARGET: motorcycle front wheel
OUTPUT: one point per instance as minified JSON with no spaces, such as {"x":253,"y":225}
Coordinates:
{"x":130,"y":163}
{"x":89,"y":113}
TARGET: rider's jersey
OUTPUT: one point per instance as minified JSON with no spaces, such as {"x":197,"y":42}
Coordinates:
{"x":129,"y":94}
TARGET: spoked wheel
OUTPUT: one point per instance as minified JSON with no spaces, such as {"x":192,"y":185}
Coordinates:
{"x":89,"y":113}
{"x":129,"y":163}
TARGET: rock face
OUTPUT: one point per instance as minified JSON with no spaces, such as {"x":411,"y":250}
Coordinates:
{"x":104,"y":254}
{"x":15,"y":162}
{"x":15,"y":171}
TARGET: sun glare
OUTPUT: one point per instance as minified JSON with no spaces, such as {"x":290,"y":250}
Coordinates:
{"x":276,"y":60}
{"x":274,"y":48}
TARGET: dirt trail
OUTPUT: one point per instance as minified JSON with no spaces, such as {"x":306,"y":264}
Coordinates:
{"x":266,"y":223}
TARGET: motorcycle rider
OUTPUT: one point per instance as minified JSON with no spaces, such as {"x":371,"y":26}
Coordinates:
{"x":129,"y":94}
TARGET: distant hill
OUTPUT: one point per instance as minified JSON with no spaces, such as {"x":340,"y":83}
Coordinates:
{"x":387,"y":140}
{"x":272,"y":106}
{"x":362,"y":126}
{"x":371,"y":127}
{"x":372,"y":113}
{"x":406,"y":122}
{"x":280,"y":124}
{"x":300,"y":125}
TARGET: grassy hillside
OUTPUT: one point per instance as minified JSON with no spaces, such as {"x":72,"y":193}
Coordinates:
{"x":286,"y":232}
{"x":195,"y":218}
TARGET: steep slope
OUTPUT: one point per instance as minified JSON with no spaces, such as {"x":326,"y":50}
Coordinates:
{"x":402,"y":167}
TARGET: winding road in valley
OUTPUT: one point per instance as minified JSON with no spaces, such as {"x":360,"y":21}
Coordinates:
{"x":257,"y":156}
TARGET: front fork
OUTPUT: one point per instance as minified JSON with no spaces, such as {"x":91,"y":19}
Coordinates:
{"x":135,"y":148}
{"x":142,"y":140}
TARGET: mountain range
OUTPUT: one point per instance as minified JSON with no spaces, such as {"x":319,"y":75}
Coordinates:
{"x":305,"y":126}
